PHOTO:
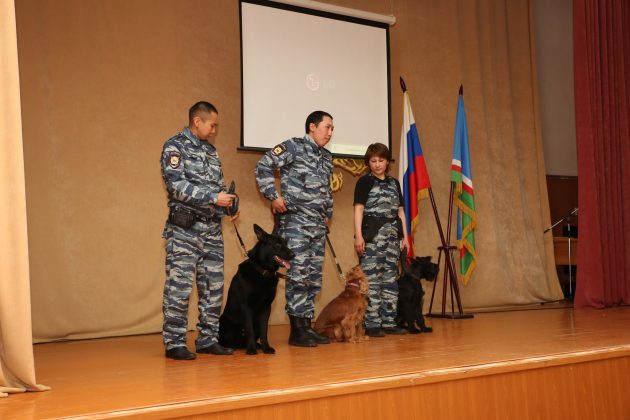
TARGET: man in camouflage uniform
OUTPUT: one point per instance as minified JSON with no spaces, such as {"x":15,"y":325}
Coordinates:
{"x":304,"y":207}
{"x":197,"y":200}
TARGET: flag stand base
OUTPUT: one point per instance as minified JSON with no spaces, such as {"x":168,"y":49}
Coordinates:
{"x":448,"y":280}
{"x":450,"y":275}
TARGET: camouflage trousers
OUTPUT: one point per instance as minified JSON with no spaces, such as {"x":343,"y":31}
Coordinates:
{"x":307,"y":239}
{"x":193,"y":254}
{"x":380,"y":264}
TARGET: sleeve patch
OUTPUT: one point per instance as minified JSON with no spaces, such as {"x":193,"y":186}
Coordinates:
{"x":174,"y":159}
{"x":278,"y":150}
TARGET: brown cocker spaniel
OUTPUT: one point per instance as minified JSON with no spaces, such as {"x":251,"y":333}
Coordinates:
{"x":342,"y":318}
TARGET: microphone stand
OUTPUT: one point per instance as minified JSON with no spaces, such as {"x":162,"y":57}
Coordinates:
{"x":566,"y":219}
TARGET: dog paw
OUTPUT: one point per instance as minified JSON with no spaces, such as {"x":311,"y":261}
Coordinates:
{"x":269,"y":350}
{"x":413,"y":331}
{"x":426,"y":329}
{"x":251,"y":351}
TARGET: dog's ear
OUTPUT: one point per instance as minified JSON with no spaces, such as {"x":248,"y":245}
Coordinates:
{"x":260,"y":233}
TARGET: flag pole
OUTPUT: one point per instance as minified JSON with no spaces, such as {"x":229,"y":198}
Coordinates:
{"x":448,"y":260}
{"x":450,"y":274}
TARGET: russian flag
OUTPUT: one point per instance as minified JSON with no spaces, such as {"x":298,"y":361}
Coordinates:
{"x":413,"y":176}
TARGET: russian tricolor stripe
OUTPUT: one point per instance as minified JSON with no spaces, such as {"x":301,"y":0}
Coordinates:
{"x":413,"y":174}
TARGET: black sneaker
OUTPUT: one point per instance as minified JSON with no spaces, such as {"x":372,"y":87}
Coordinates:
{"x":374,"y":332}
{"x":216,"y":349}
{"x":394,"y":330}
{"x":180,"y":353}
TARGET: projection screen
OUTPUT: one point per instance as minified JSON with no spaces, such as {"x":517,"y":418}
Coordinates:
{"x":297,"y":60}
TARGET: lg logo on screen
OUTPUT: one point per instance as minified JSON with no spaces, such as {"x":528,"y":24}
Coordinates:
{"x":312,"y":82}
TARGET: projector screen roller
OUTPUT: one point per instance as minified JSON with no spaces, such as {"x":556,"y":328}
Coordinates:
{"x":296,"y":60}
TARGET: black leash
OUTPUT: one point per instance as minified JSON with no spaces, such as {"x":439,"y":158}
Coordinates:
{"x":332,"y":251}
{"x":232,"y":210}
{"x":276,"y":226}
{"x":238,"y":235}
{"x":276,"y":222}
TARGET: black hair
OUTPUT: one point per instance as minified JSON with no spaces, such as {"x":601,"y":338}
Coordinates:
{"x":201,"y":107}
{"x":377,"y":150}
{"x":315,"y":117}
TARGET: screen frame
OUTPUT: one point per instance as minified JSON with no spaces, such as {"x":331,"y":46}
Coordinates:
{"x":323,"y":14}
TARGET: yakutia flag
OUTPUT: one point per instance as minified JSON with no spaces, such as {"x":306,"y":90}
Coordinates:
{"x":464,"y":196}
{"x":413,"y":176}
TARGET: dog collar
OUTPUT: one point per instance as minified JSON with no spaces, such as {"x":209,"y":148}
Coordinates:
{"x":263,"y":271}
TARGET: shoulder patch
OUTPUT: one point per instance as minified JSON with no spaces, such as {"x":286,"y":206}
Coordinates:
{"x":279,"y":149}
{"x":174,"y":159}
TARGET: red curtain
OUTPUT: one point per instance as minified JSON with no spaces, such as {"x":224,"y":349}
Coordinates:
{"x":601,"y":36}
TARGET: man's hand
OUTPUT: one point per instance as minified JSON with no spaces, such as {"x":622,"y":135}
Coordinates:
{"x":225,"y":199}
{"x":278,"y":205}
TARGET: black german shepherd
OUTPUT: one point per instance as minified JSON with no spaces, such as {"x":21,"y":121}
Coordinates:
{"x":246,"y":315}
{"x":410,"y":292}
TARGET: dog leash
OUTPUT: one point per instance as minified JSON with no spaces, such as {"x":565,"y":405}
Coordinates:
{"x":403,"y":259}
{"x":231,"y":210}
{"x":332,"y":251}
{"x":238,"y":235}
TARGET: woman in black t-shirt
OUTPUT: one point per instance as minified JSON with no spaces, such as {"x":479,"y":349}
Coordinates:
{"x":379,"y":238}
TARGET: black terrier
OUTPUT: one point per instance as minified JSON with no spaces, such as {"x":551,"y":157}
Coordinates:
{"x":246,"y":315}
{"x":410,"y":292}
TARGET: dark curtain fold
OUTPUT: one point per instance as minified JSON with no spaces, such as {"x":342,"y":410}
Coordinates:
{"x":602,"y":105}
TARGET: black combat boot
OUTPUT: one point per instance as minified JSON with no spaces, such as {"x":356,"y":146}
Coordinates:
{"x":319,"y":338}
{"x":394,"y":330}
{"x":375,"y":332}
{"x":217,"y":349}
{"x":180,"y":353}
{"x":299,"y":334}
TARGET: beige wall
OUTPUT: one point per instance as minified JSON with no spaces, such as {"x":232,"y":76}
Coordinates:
{"x":105,"y":83}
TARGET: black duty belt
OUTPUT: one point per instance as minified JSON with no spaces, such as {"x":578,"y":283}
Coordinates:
{"x":185,"y":218}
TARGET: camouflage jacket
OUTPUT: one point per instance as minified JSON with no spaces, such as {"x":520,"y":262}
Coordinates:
{"x":192,"y":173}
{"x":383,"y":197}
{"x":305,"y":172}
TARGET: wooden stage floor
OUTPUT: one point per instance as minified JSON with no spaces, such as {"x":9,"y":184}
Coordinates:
{"x":130,"y":377}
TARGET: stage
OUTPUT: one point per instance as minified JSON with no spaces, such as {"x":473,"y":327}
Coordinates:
{"x":531,"y":364}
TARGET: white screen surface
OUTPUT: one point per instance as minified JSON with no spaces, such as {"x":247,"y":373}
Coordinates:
{"x":294,"y":63}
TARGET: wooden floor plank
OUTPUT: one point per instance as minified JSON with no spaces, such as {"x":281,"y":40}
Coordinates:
{"x":130,"y":373}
